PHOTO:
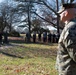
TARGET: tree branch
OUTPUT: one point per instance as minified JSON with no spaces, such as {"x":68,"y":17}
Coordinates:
{"x":45,"y":20}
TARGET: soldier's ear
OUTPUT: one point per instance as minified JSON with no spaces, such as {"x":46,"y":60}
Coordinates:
{"x":66,"y":13}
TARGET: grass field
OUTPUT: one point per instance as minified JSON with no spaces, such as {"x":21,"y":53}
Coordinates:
{"x":28,"y":59}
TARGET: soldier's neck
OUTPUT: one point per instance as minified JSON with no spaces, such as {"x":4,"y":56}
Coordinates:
{"x":66,"y":22}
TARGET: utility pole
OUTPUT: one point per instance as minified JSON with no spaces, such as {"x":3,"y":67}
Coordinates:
{"x":29,"y":22}
{"x":58,"y":32}
{"x":29,"y":19}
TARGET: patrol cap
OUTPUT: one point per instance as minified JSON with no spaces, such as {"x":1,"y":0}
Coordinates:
{"x":67,"y":6}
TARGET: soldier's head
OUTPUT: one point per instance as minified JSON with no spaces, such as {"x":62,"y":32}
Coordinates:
{"x":67,"y":12}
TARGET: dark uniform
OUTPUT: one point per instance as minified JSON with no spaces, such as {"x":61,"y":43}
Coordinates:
{"x":53,"y":38}
{"x":39,"y":36}
{"x":57,"y":37}
{"x":34,"y":37}
{"x":28,"y":35}
{"x":66,"y":55}
{"x":0,"y":37}
{"x":44,"y":36}
{"x":5,"y":37}
{"x":49,"y":37}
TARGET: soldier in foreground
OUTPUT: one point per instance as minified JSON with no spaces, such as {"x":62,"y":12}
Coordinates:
{"x":66,"y":55}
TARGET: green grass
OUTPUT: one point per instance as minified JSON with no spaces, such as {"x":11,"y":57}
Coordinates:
{"x":28,"y":59}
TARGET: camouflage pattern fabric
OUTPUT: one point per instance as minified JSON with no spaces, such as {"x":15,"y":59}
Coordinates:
{"x":66,"y":54}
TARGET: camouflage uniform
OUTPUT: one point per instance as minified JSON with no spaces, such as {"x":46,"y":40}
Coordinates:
{"x":66,"y":55}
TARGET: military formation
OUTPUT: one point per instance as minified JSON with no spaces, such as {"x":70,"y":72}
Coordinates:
{"x":43,"y":37}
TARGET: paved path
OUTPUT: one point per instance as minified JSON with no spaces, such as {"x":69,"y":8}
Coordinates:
{"x":6,"y":46}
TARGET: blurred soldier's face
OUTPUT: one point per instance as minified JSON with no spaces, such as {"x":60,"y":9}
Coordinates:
{"x":68,"y":14}
{"x":63,"y":16}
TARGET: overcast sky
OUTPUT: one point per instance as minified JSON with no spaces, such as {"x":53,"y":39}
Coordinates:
{"x":1,"y":1}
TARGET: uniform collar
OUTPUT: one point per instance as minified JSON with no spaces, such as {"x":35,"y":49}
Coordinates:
{"x":66,"y":22}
